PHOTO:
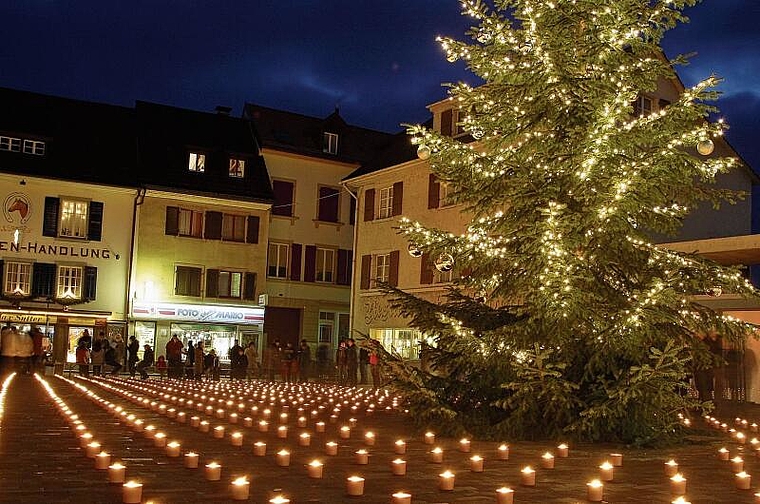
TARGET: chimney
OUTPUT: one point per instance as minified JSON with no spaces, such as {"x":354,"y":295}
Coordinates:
{"x":222,"y":110}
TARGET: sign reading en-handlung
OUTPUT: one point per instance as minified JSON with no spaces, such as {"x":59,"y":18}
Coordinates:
{"x":199,"y":313}
{"x":55,"y":250}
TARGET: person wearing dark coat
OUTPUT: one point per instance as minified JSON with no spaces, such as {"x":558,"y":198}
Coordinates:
{"x":146,"y":362}
{"x":132,"y":357}
{"x":352,"y":361}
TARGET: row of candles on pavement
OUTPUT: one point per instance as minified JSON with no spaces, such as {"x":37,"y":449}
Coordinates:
{"x":354,"y":484}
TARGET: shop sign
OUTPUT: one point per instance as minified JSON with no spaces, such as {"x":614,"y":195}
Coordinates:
{"x":198,"y":313}
{"x":20,"y":317}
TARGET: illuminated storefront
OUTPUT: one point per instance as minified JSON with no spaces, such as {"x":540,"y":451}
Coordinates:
{"x":217,"y":326}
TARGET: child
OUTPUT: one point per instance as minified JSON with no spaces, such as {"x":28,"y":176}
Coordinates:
{"x":161,"y":366}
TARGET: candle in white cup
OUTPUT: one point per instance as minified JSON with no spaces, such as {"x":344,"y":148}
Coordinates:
{"x":191,"y":460}
{"x":259,"y":448}
{"x":213,"y":471}
{"x":476,"y":463}
{"x":102,"y":461}
{"x":319,"y":427}
{"x":345,"y":432}
{"x":743,"y":481}
{"x":446,"y":481}
{"x":92,"y":450}
{"x":737,"y":464}
{"x":331,"y":448}
{"x":399,"y":447}
{"x":616,"y":459}
{"x":606,"y":471}
{"x":505,"y":495}
{"x":159,"y":440}
{"x":503,"y":452}
{"x":283,"y":458}
{"x":723,"y":454}
{"x":678,"y":484}
{"x":436,"y":455}
{"x":563,"y":450}
{"x":236,"y":439}
{"x":304,"y":439}
{"x":132,"y":492}
{"x":240,"y":488}
{"x":401,"y":498}
{"x":314,"y":469}
{"x":361,"y":457}
{"x":527,"y":476}
{"x":219,"y":432}
{"x":116,"y":473}
{"x":595,"y":491}
{"x":204,"y":426}
{"x":369,"y":438}
{"x":547,"y":461}
{"x":173,"y":449}
{"x":355,"y":485}
{"x":398,"y":467}
{"x":429,"y":438}
{"x":671,"y":468}
{"x":464,"y":445}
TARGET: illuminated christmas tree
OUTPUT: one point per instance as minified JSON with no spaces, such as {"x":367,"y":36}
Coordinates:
{"x":567,"y":319}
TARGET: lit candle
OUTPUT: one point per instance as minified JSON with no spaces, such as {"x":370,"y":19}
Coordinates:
{"x":102,"y":461}
{"x":678,"y":484}
{"x":319,"y":427}
{"x":282,"y":432}
{"x":446,"y":481}
{"x":743,"y":481}
{"x":233,"y":418}
{"x":248,"y":422}
{"x":204,"y":426}
{"x":528,"y":476}
{"x":240,"y":488}
{"x":263,"y":426}
{"x":171,"y":413}
{"x":399,"y":447}
{"x":259,"y":448}
{"x":195,"y":421}
{"x":476,"y":463}
{"x":398,"y":467}
{"x":352,"y":422}
{"x":355,"y":485}
{"x":563,"y":450}
{"x":606,"y":471}
{"x":132,"y":492}
{"x":671,"y":468}
{"x":723,"y":454}
{"x":505,"y":495}
{"x":213,"y":471}
{"x":138,"y":425}
{"x":116,"y":473}
{"x":737,"y":464}
{"x":159,"y":440}
{"x":616,"y":459}
{"x":345,"y":432}
{"x":236,"y":438}
{"x":547,"y":461}
{"x":369,"y":438}
{"x":279,"y":499}
{"x":464,"y":445}
{"x":314,"y":469}
{"x":172,"y":449}
{"x":361,"y":457}
{"x":680,"y":500}
{"x":85,"y":439}
{"x":149,"y":432}
{"x":436,"y":455}
{"x":331,"y":448}
{"x":595,"y":491}
{"x":219,"y":432}
{"x":283,"y":418}
{"x":283,"y":458}
{"x":502,"y":452}
{"x":302,"y":421}
{"x":92,"y":450}
{"x":429,"y":438}
{"x":401,"y":498}
{"x":191,"y":460}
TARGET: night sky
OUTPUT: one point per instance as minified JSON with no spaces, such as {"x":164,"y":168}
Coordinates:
{"x":377,"y":60}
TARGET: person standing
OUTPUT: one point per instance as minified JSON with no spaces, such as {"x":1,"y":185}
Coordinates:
{"x":288,"y":358}
{"x":132,"y":358}
{"x":323,"y":360}
{"x":83,"y":358}
{"x":341,"y":363}
{"x":304,"y":361}
{"x":174,"y":349}
{"x":352,"y":361}
{"x":38,"y":361}
{"x":198,"y":361}
{"x":111,"y":358}
{"x":146,"y":362}
{"x":374,"y":365}
{"x":363,"y":363}
{"x":190,"y":360}
{"x":120,"y":351}
{"x":252,"y":369}
{"x":234,"y":356}
{"x":272,"y":359}
{"x":97,"y":356}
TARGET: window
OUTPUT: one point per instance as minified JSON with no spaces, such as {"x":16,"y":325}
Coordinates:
{"x":328,"y":204}
{"x":230,"y":283}
{"x":443,"y":276}
{"x":73,"y":218}
{"x":233,"y":227}
{"x":237,"y":168}
{"x":18,"y":278}
{"x":405,"y":342}
{"x":382,"y":267}
{"x":190,"y":223}
{"x":386,"y":203}
{"x":10,"y":144}
{"x":325,"y":265}
{"x":196,"y":162}
{"x":277,"y":260}
{"x":187,"y":281}
{"x":446,"y":194}
{"x":283,"y":198}
{"x":642,"y":106}
{"x":34,"y":147}
{"x":330,"y":143}
{"x":69,"y":285}
{"x":326,"y":326}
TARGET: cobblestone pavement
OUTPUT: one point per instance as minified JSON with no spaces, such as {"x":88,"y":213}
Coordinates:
{"x":42,"y":460}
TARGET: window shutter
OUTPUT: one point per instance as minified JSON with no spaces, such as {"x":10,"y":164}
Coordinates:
{"x":369,"y":205}
{"x":366,"y":271}
{"x":295,"y":262}
{"x":344,"y":258}
{"x":43,"y":280}
{"x":283,"y":198}
{"x":253,"y":229}
{"x":213,"y":226}
{"x":393,"y":273}
{"x":398,"y":198}
{"x":212,"y":283}
{"x":90,"y":283}
{"x":351,"y":210}
{"x":426,"y":270}
{"x":249,"y":286}
{"x":434,"y":191}
{"x":663,"y":103}
{"x":2,"y":277}
{"x":50,"y":219}
{"x":171,"y":227}
{"x":447,"y":117}
{"x":310,"y":263}
{"x":328,"y":203}
{"x":95,"y":225}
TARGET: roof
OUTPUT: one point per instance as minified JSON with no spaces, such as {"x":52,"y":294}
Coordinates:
{"x":166,"y":136}
{"x":84,"y":141}
{"x":296,"y":133}
{"x":399,"y":150}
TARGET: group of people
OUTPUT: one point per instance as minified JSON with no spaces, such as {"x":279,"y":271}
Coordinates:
{"x":292,"y":364}
{"x":348,"y":361}
{"x":21,"y":351}
{"x":99,"y":352}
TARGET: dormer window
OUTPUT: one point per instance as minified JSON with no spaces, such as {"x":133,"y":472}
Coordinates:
{"x":196,"y":162}
{"x":330,"y":143}
{"x":237,"y":168}
{"x":642,"y":106}
{"x":10,"y":144}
